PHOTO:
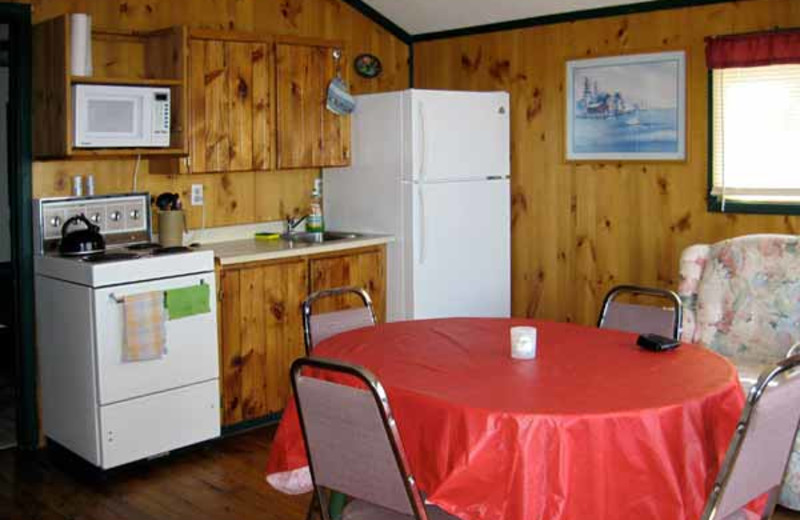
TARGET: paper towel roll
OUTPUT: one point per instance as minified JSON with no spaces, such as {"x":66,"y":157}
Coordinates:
{"x":81,"y":44}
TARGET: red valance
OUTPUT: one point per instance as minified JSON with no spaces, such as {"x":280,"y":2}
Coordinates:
{"x":753,"y":50}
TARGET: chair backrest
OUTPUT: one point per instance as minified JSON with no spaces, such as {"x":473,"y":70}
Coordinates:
{"x":317,"y":327}
{"x":642,"y":319}
{"x":351,"y":437}
{"x":739,"y":296}
{"x":759,"y":451}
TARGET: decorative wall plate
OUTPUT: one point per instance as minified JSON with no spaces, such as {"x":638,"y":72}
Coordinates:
{"x":368,"y":65}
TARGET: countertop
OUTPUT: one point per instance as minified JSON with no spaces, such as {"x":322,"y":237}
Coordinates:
{"x":251,"y":250}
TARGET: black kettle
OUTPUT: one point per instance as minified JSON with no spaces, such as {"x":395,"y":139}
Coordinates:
{"x":81,"y":241}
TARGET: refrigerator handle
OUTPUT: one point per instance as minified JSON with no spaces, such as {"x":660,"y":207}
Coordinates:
{"x":422,"y":246}
{"x":422,"y":146}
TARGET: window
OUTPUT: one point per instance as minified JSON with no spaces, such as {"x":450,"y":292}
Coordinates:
{"x":754,"y":124}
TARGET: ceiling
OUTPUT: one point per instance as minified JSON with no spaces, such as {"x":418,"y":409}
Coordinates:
{"x":426,"y":16}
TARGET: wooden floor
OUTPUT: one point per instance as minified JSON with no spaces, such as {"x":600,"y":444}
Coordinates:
{"x":222,"y":481}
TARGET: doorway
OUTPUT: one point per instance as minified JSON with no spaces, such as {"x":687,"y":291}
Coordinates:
{"x":18,"y":416}
{"x":8,"y":380}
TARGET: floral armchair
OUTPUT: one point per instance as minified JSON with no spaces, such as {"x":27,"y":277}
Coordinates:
{"x":741,"y":298}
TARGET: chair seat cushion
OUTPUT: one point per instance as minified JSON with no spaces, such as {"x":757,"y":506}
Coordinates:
{"x":360,"y":510}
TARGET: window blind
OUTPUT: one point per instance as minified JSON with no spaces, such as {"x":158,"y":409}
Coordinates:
{"x":756,"y":133}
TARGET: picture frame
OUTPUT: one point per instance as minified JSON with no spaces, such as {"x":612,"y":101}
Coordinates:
{"x":368,"y":66}
{"x":627,"y":108}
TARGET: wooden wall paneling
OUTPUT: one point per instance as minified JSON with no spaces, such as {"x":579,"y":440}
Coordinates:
{"x":281,"y":193}
{"x":114,"y":56}
{"x":232,"y":198}
{"x":579,"y":228}
{"x":231,"y":360}
{"x":54,"y":178}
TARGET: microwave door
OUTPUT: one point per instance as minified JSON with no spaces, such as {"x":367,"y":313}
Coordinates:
{"x":113,"y":121}
{"x":111,"y":117}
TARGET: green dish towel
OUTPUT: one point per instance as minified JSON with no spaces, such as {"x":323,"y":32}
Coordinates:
{"x":187,"y":301}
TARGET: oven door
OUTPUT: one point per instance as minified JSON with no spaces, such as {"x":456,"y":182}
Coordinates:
{"x":112,"y":116}
{"x":191,"y":347}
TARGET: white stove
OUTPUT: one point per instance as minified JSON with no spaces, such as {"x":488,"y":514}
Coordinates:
{"x":94,"y":403}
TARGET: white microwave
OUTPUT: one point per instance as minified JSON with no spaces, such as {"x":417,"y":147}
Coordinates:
{"x":110,"y":116}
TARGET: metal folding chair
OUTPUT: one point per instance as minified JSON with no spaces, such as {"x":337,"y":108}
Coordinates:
{"x":353,"y":444}
{"x":317,"y":327}
{"x":642,"y":319}
{"x":759,"y":451}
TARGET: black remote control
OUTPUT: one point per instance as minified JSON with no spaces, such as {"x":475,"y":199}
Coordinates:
{"x":657,"y":343}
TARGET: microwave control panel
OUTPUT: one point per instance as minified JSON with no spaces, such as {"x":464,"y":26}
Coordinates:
{"x":161,"y":114}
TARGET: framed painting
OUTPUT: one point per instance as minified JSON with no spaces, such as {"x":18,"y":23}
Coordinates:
{"x":627,"y":108}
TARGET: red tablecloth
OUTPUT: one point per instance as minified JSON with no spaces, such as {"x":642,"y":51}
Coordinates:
{"x":593,"y":428}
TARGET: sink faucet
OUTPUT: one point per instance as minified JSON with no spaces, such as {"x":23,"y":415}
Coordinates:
{"x":292,"y":223}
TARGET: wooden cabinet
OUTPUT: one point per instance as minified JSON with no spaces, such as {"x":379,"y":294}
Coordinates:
{"x":261,"y":327}
{"x":261,"y":334}
{"x":258,"y":103}
{"x":309,"y":135}
{"x":230,"y":89}
{"x":365,"y":269}
{"x":133,"y":58}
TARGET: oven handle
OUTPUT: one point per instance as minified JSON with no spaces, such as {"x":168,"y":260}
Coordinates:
{"x":121,"y":299}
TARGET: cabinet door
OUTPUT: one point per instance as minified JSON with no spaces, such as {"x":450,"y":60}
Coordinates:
{"x":366,"y":270}
{"x":262,"y":333}
{"x":230,"y":108}
{"x":308,"y":134}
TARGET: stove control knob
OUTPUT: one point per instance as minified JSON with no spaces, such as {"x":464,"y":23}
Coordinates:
{"x":55,"y":221}
{"x":95,"y":218}
{"x":135,"y":214}
{"x":115,"y":216}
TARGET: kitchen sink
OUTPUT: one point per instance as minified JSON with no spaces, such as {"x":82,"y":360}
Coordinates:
{"x":318,"y":238}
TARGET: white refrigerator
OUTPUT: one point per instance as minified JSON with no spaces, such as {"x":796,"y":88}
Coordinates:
{"x":431,"y":168}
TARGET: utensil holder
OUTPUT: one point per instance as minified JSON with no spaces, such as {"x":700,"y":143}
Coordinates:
{"x":170,"y":228}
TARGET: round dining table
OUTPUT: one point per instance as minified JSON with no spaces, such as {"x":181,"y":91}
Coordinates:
{"x":594,"y":427}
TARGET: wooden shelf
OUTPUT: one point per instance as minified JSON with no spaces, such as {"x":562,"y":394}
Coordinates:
{"x":125,"y":152}
{"x":154,"y":58}
{"x":139,"y":82}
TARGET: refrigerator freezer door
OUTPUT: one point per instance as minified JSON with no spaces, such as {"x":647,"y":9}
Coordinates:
{"x":461,"y":250}
{"x":459,"y":135}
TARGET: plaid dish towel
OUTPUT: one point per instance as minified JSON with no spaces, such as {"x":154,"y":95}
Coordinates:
{"x":145,"y":327}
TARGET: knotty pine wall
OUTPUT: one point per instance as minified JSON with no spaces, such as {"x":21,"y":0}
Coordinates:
{"x":241,"y":197}
{"x":578,"y":229}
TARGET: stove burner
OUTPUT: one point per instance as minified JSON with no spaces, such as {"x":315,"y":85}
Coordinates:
{"x":171,"y":250}
{"x":145,"y":245}
{"x":102,"y":258}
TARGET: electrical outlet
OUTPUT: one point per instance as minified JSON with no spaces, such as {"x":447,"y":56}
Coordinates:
{"x":197,"y":194}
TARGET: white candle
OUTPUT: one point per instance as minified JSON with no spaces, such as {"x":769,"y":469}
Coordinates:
{"x":523,"y":342}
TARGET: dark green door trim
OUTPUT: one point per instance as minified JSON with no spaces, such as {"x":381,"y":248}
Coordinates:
{"x":18,"y":17}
